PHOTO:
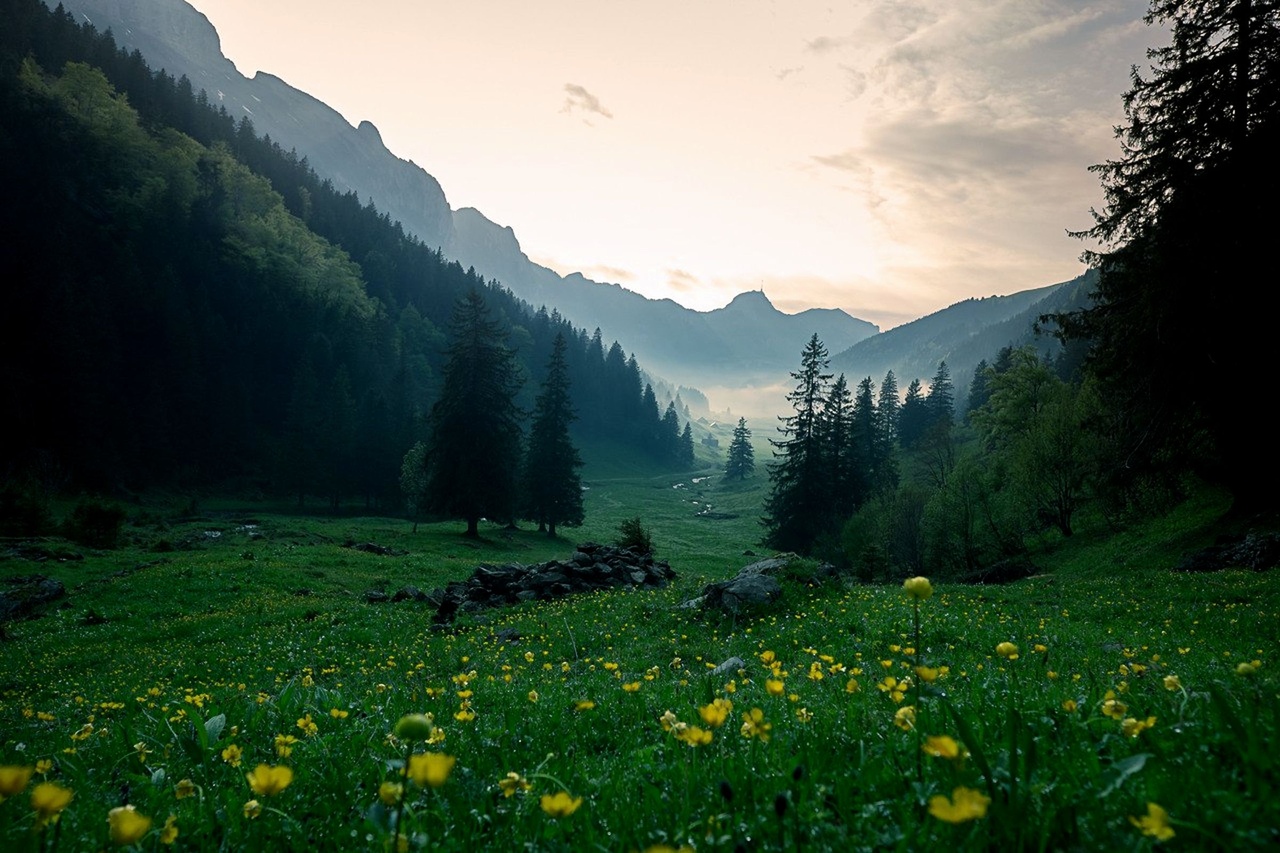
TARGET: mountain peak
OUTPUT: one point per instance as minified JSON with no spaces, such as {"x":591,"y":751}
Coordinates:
{"x":750,"y":300}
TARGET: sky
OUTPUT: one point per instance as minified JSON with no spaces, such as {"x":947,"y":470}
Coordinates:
{"x":887,"y":157}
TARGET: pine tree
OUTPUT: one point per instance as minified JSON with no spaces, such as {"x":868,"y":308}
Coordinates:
{"x":842,"y":465}
{"x":686,"y":446}
{"x":742,"y":458}
{"x":669,"y":435}
{"x":474,"y":449}
{"x":797,"y":504}
{"x":887,"y":408}
{"x":941,"y":402}
{"x":1187,"y":226}
{"x":552,"y":488}
{"x":913,"y":418}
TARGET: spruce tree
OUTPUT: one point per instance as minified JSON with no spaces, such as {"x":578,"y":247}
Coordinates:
{"x":797,"y":504}
{"x":1176,"y":322}
{"x":552,"y":488}
{"x":941,"y":401}
{"x":686,"y":446}
{"x":742,"y":458}
{"x":474,"y":450}
{"x":913,"y":417}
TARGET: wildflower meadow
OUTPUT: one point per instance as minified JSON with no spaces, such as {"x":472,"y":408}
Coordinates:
{"x":236,"y":691}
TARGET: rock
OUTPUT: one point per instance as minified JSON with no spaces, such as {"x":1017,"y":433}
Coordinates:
{"x":591,"y":567}
{"x":1257,"y":552}
{"x":374,"y":548}
{"x":375,"y":596}
{"x":409,"y":593}
{"x":746,"y":591}
{"x":732,"y":665}
{"x":26,"y":596}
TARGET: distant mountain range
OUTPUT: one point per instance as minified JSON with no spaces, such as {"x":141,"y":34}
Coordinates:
{"x":963,"y":335}
{"x":746,"y":344}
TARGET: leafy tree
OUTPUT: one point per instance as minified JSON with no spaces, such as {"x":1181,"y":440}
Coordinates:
{"x":742,"y":458}
{"x":553,"y":490}
{"x":474,"y":448}
{"x":797,"y":506}
{"x":413,"y":481}
{"x":1187,"y":225}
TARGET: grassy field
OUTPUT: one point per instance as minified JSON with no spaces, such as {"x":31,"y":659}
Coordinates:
{"x":223,"y":674}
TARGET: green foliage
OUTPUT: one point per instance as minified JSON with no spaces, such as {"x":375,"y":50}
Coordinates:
{"x":741,"y":463}
{"x":634,"y":535}
{"x":1186,"y":226}
{"x":552,"y":488}
{"x":94,"y":524}
{"x":24,"y":509}
{"x":473,"y":452}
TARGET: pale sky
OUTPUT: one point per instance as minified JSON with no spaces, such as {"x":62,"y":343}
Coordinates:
{"x":887,"y":157}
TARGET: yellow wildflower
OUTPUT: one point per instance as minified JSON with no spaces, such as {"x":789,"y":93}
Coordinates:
{"x":127,"y":826}
{"x":804,"y":715}
{"x":775,"y":687}
{"x":1241,"y":669}
{"x":694,"y":736}
{"x":338,"y":713}
{"x":49,"y":799}
{"x":1007,"y":650}
{"x":13,"y":778}
{"x":754,"y":725}
{"x":308,"y":725}
{"x":942,"y":746}
{"x":918,"y":588}
{"x":284,"y":745}
{"x":390,"y":793}
{"x":252,"y":809}
{"x":415,"y":726}
{"x":169,"y":833}
{"x":851,"y":686}
{"x":1132,"y":727}
{"x":716,"y":713}
{"x":1069,"y":705}
{"x":631,"y":686}
{"x":184,"y":789}
{"x":141,"y":748}
{"x":44,"y":765}
{"x":928,"y":674}
{"x":583,"y":705}
{"x":965,"y":804}
{"x":905,"y":718}
{"x":533,"y":696}
{"x":232,"y":755}
{"x":513,"y":783}
{"x":431,"y":768}
{"x":560,"y":804}
{"x":267,"y":781}
{"x":1154,"y":823}
{"x":1113,"y":707}
{"x":1172,"y":682}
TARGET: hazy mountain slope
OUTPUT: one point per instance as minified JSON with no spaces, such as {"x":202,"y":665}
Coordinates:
{"x":665,"y":336}
{"x":962,"y":335}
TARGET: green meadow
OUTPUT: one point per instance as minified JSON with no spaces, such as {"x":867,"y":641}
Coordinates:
{"x":219,"y":682}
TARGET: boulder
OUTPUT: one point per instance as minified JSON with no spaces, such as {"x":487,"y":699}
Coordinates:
{"x":25,"y":596}
{"x":746,"y":591}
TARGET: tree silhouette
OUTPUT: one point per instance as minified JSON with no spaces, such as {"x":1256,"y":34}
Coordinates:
{"x":474,"y":449}
{"x":552,"y":488}
{"x":797,"y":504}
{"x":742,"y":458}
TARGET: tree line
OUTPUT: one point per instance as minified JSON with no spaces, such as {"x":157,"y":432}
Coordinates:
{"x":188,"y":306}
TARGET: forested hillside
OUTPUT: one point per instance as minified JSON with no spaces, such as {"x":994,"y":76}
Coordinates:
{"x":188,"y":305}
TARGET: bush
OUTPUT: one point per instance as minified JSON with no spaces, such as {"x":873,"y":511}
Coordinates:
{"x":95,"y":525}
{"x":24,"y":511}
{"x":632,"y":534}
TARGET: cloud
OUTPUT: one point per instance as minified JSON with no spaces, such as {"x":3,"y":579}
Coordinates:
{"x":784,"y":73}
{"x":579,"y":99}
{"x":682,"y":281}
{"x":825,"y":44}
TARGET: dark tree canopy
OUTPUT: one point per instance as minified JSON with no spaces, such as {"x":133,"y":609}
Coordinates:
{"x":474,"y":449}
{"x":1184,"y":235}
{"x":552,"y":488}
{"x":797,"y":506}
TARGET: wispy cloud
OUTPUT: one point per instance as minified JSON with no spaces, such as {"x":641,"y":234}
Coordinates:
{"x":682,"y":281}
{"x":578,"y":99}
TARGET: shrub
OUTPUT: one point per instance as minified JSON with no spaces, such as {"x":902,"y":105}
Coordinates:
{"x":24,"y":511}
{"x":633,"y":534}
{"x":94,"y":524}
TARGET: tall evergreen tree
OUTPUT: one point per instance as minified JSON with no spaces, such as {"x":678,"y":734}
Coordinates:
{"x":887,"y":408}
{"x":686,"y":446}
{"x":842,"y":465}
{"x":742,"y":457}
{"x":474,"y":449}
{"x":669,"y":435}
{"x":941,"y":401}
{"x":797,"y":504}
{"x":553,"y":490}
{"x":913,"y":418}
{"x":1187,"y":225}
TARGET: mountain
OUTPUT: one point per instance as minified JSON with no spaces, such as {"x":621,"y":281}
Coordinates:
{"x":962,"y":335}
{"x":741,"y":342}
